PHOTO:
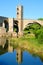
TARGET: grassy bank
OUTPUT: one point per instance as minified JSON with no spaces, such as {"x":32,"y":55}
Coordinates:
{"x":29,"y":43}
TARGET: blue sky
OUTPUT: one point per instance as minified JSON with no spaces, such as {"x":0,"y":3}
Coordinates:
{"x":33,"y":9}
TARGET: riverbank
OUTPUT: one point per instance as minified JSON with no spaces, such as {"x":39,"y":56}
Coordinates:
{"x":29,"y":43}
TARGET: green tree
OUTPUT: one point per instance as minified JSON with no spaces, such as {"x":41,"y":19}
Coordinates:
{"x":32,"y":28}
{"x":40,"y":37}
{"x":40,"y":19}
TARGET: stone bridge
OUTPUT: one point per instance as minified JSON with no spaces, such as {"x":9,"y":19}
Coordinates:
{"x":17,"y":24}
{"x":27,"y":22}
{"x":11,"y":23}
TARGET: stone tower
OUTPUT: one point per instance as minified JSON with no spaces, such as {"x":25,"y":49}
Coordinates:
{"x":20,"y":18}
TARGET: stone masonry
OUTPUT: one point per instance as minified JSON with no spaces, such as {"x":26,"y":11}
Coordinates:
{"x":10,"y":23}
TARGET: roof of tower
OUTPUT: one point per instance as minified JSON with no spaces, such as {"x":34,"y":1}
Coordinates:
{"x":19,"y":5}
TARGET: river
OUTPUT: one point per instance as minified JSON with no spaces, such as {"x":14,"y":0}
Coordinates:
{"x":16,"y":56}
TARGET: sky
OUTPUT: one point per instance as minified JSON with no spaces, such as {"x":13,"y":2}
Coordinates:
{"x":32,"y":9}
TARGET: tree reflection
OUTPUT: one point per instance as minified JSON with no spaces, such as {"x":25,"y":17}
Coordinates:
{"x":7,"y":46}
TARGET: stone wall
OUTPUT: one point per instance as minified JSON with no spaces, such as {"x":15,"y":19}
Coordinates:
{"x":22,"y":23}
{"x":2,"y":31}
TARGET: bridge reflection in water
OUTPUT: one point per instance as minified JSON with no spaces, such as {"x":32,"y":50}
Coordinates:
{"x":6,"y":46}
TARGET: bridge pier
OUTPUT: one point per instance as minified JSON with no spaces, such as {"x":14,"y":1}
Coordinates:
{"x":10,"y":21}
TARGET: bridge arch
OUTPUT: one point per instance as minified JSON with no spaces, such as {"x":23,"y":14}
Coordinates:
{"x":33,"y":26}
{"x":6,"y":25}
{"x":15,"y":26}
{"x":29,"y":22}
{"x":33,"y":23}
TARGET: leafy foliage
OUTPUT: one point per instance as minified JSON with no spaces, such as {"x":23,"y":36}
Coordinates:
{"x":32,"y":28}
{"x":40,"y":35}
{"x":37,"y":30}
{"x":40,"y":18}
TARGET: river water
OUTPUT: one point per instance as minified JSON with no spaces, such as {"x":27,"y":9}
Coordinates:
{"x":17,"y":56}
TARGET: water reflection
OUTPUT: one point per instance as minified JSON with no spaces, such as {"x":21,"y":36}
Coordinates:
{"x":2,"y":42}
{"x":19,"y":55}
{"x":6,"y":46}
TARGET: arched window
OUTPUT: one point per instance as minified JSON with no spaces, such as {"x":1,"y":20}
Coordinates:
{"x":17,"y":8}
